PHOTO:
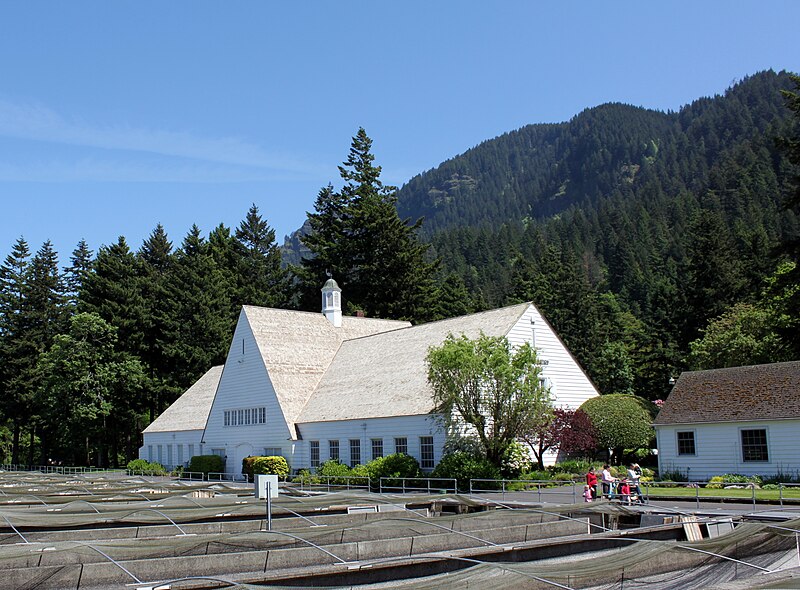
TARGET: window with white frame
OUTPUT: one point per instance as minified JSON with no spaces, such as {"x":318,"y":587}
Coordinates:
{"x":754,"y":445}
{"x":377,"y":448}
{"x":355,"y":452}
{"x":686,"y":442}
{"x":401,"y":445}
{"x":273,"y":452}
{"x":426,"y":459}
{"x":244,"y":416}
{"x":314,"y":453}
{"x":180,"y":454}
{"x":333,"y":449}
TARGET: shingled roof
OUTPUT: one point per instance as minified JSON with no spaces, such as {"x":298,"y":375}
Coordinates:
{"x":757,"y":392}
{"x":298,"y":347}
{"x":385,"y":374}
{"x":190,"y":410}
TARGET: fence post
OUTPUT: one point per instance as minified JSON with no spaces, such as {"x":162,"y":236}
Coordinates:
{"x":753,"y":487}
{"x":697,"y":496}
{"x":574,"y":493}
{"x":780,"y":493}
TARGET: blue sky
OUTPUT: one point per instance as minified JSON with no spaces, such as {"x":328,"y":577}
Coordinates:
{"x":115,"y":116}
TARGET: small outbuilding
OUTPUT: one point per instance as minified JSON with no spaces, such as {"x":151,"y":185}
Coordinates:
{"x":743,"y":420}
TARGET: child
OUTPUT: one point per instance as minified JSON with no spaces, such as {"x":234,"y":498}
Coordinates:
{"x":625,"y":491}
{"x":588,"y":496}
{"x":591,"y":481}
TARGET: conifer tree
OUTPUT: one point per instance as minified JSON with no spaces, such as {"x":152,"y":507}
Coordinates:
{"x":75,"y":274}
{"x":198,"y":328}
{"x":358,"y":236}
{"x":261,"y":280}
{"x":14,"y":343}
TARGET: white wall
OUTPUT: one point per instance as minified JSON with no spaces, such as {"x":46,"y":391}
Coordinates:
{"x":569,"y":385}
{"x":175,"y":447}
{"x":411,"y":427}
{"x":718,"y":449}
{"x":245,"y":384}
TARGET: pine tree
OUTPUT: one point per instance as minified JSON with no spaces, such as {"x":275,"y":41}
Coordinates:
{"x":198,"y":328}
{"x":156,"y":262}
{"x":261,"y":280}
{"x":75,"y":274}
{"x":15,"y":347}
{"x":359,"y":238}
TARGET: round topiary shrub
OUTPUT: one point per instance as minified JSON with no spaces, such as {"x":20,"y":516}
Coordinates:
{"x":622,"y":421}
{"x":396,"y":465}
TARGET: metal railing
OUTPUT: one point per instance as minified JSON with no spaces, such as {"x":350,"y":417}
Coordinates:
{"x":220,"y":476}
{"x":542,"y":487}
{"x":330,"y":482}
{"x":429,"y":485}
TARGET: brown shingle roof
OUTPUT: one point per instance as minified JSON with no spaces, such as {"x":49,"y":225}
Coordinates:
{"x":757,"y":392}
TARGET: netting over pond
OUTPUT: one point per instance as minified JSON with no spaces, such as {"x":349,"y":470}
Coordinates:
{"x":107,"y":531}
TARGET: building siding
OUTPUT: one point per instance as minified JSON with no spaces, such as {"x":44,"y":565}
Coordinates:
{"x":245,"y":384}
{"x":411,"y":427}
{"x":170,"y":443}
{"x":718,"y":449}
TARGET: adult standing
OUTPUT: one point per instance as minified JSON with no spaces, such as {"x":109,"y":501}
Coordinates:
{"x":608,"y":482}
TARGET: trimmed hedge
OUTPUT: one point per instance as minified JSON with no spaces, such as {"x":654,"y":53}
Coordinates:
{"x":146,"y":467}
{"x":260,"y":465}
{"x":206,"y":464}
{"x":465,"y":466}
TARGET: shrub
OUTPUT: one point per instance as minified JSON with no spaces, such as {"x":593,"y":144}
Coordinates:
{"x":146,"y":467}
{"x":514,"y":461}
{"x":274,"y":465}
{"x":337,"y":471}
{"x":715,"y":483}
{"x":564,"y":476}
{"x":465,"y":466}
{"x":622,"y":421}
{"x":396,"y":465}
{"x":206,"y":464}
{"x":575,"y":466}
{"x":535,"y":475}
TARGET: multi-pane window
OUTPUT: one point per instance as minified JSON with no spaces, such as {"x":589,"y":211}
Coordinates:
{"x":180,"y":454}
{"x":355,"y":452}
{"x":191,"y":451}
{"x":314,"y":453}
{"x":401,"y":445}
{"x":333,"y":449}
{"x":377,"y":448}
{"x":754,"y":445}
{"x":245,"y":416}
{"x":686,"y":443}
{"x":273,"y":452}
{"x":169,"y":455}
{"x":150,"y":453}
{"x":159,"y":451}
{"x":426,"y":452}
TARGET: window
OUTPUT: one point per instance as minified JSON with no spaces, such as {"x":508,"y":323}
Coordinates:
{"x":754,"y":445}
{"x":686,"y":443}
{"x":333,"y":449}
{"x":169,"y":456}
{"x":191,"y":451}
{"x":150,"y":453}
{"x":314,"y":454}
{"x":180,"y":454}
{"x":426,"y":452}
{"x":273,"y":452}
{"x":377,"y":448}
{"x":355,"y":452}
{"x":245,"y":417}
{"x":401,"y":445}
{"x":159,"y":454}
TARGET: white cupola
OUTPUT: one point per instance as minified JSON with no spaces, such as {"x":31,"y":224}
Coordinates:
{"x":332,"y":302}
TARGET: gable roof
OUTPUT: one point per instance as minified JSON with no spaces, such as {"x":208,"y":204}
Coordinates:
{"x":385,"y":374}
{"x":297,"y":348}
{"x":190,"y":410}
{"x":756,"y":392}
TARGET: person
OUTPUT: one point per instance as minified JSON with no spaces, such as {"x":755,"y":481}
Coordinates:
{"x":607,"y":481}
{"x":588,"y":494}
{"x":591,"y":481}
{"x":634,"y":473}
{"x":625,"y":491}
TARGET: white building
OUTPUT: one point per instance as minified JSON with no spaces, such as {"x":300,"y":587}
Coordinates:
{"x":312,"y":387}
{"x":742,"y":420}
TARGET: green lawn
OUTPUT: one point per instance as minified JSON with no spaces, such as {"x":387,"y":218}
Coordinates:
{"x":679,"y":491}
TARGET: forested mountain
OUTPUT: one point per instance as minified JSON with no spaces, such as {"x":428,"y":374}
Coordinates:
{"x":630,"y":228}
